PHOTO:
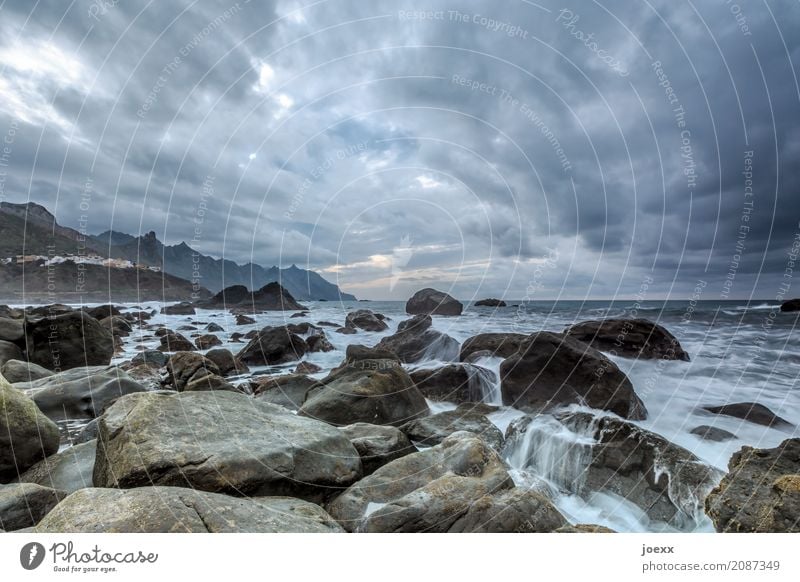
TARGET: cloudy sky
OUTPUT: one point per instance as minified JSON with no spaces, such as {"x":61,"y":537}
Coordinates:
{"x":515,"y":149}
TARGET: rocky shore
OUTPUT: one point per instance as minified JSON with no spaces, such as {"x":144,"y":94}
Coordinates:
{"x":190,"y":436}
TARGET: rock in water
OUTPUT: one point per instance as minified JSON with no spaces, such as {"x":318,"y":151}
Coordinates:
{"x":552,"y":369}
{"x":175,"y":342}
{"x":751,"y":412}
{"x":207,"y":341}
{"x":490,"y":303}
{"x":287,"y":390}
{"x":67,"y":471}
{"x":377,"y":445}
{"x":67,"y":341}
{"x":426,"y":491}
{"x":501,"y":345}
{"x":372,"y":391}
{"x":220,"y":442}
{"x":366,"y":320}
{"x":186,"y":367}
{"x":182,"y":308}
{"x":432,"y":430}
{"x":417,"y":341}
{"x":760,"y":493}
{"x":24,"y":504}
{"x":633,"y":338}
{"x":456,"y":383}
{"x":516,"y":510}
{"x":432,"y":302}
{"x":226,"y":362}
{"x":26,"y":435}
{"x":791,"y":305}
{"x":712,"y":433}
{"x":273,"y":345}
{"x":180,"y":510}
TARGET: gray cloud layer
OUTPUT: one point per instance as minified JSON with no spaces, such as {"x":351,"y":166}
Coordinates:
{"x":489,"y":149}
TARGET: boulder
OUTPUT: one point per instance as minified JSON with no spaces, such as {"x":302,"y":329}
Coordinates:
{"x":345,"y":330}
{"x":151,"y":358}
{"x":288,"y":390}
{"x":432,"y":430}
{"x":432,"y":302}
{"x":24,"y":504}
{"x":207,"y":341}
{"x":273,"y":345}
{"x":515,"y":510}
{"x":372,"y":391}
{"x":501,"y":345}
{"x":209,"y":383}
{"x":183,"y":308}
{"x":229,"y":296}
{"x":751,"y":412}
{"x":455,"y":383}
{"x":175,"y":342}
{"x":226,"y":362}
{"x":790,"y":305}
{"x":87,"y":433}
{"x":117,"y":325}
{"x":220,"y":442}
{"x":26,"y":435}
{"x":358,"y":353}
{"x":551,"y":369}
{"x":632,"y":338}
{"x":490,"y":303}
{"x":185,"y":367}
{"x":102,"y":311}
{"x":366,"y":320}
{"x":214,"y":328}
{"x":319,"y":343}
{"x":68,"y":471}
{"x":760,"y":493}
{"x":426,"y":491}
{"x":9,"y":351}
{"x":299,"y":314}
{"x":180,"y":510}
{"x":711,"y":433}
{"x":242,"y":319}
{"x":584,"y":528}
{"x":416,"y":341}
{"x":19,"y":371}
{"x":80,"y":392}
{"x":377,"y":445}
{"x":306,"y":367}
{"x":11,"y":330}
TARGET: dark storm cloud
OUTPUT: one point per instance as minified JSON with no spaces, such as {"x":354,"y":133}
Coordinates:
{"x":390,"y":145}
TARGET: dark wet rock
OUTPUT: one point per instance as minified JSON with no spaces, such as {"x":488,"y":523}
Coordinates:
{"x":711,"y":433}
{"x":11,"y":330}
{"x":251,"y":334}
{"x":432,"y":302}
{"x":236,"y":337}
{"x":87,"y":433}
{"x":210,"y":382}
{"x":162,"y":331}
{"x":356,"y":353}
{"x":287,"y":390}
{"x":148,"y":376}
{"x":186,"y":367}
{"x":24,"y":504}
{"x":416,"y":341}
{"x":175,"y":342}
{"x":228,"y":297}
{"x":26,"y":435}
{"x":271,"y":297}
{"x":180,"y":510}
{"x":632,"y":338}
{"x":432,"y":430}
{"x":345,"y":330}
{"x":751,"y":412}
{"x":103,"y":311}
{"x":207,"y":341}
{"x":303,"y":328}
{"x":307,"y":368}
{"x":377,"y":445}
{"x":221,"y":442}
{"x":187,"y":328}
{"x":455,"y":383}
{"x":151,"y":358}
{"x":551,"y":369}
{"x":490,"y":303}
{"x":67,"y":471}
{"x":118,"y":326}
{"x":371,"y":391}
{"x":11,"y":312}
{"x":760,"y":493}
{"x":327,"y":324}
{"x":80,"y":392}
{"x":182,"y":308}
{"x":242,"y":319}
{"x":273,"y":345}
{"x":299,"y":314}
{"x":226,"y":362}
{"x":366,"y":320}
{"x":19,"y":371}
{"x":501,"y":345}
{"x":67,"y":341}
{"x":428,"y":491}
{"x":790,"y":305}
{"x":319,"y":343}
{"x":515,"y":510}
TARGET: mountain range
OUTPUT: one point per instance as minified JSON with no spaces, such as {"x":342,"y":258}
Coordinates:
{"x":31,"y":229}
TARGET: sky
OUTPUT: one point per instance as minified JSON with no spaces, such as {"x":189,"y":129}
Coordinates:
{"x":583,"y":150}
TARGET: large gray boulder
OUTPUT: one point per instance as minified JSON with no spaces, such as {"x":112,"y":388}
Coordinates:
{"x":432,"y":302}
{"x":80,"y":392}
{"x":633,"y":338}
{"x":455,"y":383}
{"x":416,"y":341}
{"x":288,"y":390}
{"x":273,"y":345}
{"x":19,"y":371}
{"x":220,"y":442}
{"x":69,"y":470}
{"x":185,"y":367}
{"x":66,"y":341}
{"x":551,"y":369}
{"x":432,"y":430}
{"x":180,"y":510}
{"x":24,"y":504}
{"x":377,"y":445}
{"x":501,"y":345}
{"x":372,"y":391}
{"x":517,"y":510}
{"x":760,"y":493}
{"x":26,"y":435}
{"x":366,"y":320}
{"x":426,"y":491}
{"x":226,"y":362}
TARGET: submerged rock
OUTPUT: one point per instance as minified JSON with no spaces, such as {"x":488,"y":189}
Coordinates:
{"x":416,"y":341}
{"x":633,"y":338}
{"x":760,"y":493}
{"x":432,"y":302}
{"x":70,"y":340}
{"x":552,"y":369}
{"x":751,"y":412}
{"x":180,"y":510}
{"x":24,"y":504}
{"x":711,"y":433}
